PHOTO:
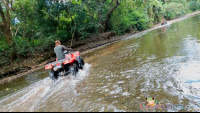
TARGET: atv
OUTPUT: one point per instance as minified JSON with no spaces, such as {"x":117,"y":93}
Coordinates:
{"x":70,"y":64}
{"x":163,"y":22}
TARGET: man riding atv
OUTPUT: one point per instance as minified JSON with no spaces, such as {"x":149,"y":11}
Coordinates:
{"x":59,"y":50}
{"x":163,"y":22}
{"x":65,"y":63}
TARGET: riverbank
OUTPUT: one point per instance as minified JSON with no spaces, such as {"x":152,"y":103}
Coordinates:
{"x":84,"y":46}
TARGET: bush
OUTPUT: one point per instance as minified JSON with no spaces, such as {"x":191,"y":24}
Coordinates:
{"x":47,"y":43}
{"x":193,"y":5}
{"x":131,"y":20}
{"x":157,"y":10}
{"x":4,"y":53}
{"x":173,"y":10}
{"x":121,"y":27}
{"x":170,"y":15}
{"x":23,"y":46}
{"x":138,"y":21}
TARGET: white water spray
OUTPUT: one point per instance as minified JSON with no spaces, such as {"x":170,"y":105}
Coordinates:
{"x":30,"y":97}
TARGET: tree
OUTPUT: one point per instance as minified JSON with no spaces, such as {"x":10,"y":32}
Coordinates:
{"x":5,"y":8}
{"x":111,"y":8}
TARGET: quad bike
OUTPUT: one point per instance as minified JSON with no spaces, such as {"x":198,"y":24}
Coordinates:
{"x":163,"y":22}
{"x":70,"y":64}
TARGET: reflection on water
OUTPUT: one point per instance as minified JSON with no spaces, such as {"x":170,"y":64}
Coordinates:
{"x":161,"y":63}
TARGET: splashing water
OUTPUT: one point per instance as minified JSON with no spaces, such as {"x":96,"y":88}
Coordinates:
{"x":36,"y":94}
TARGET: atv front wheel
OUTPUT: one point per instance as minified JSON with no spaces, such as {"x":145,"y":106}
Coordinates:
{"x":75,"y":69}
{"x":81,"y":63}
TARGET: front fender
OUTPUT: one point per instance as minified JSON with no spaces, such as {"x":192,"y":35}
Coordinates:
{"x":78,"y":58}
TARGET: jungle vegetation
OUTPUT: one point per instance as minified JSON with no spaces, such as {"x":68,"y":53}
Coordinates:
{"x":29,"y":26}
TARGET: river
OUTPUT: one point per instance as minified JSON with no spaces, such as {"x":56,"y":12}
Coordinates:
{"x":163,"y":63}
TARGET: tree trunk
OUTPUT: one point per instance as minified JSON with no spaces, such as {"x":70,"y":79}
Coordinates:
{"x":110,"y":11}
{"x":5,"y":25}
{"x":7,"y":35}
{"x":109,"y":15}
{"x":100,"y":28}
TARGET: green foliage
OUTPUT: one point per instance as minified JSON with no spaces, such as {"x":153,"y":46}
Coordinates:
{"x":193,"y":5}
{"x":170,"y":15}
{"x":179,"y":1}
{"x":137,"y":20}
{"x":155,"y":9}
{"x":128,"y":18}
{"x":4,"y":52}
{"x":173,"y":10}
{"x":41,"y":22}
{"x":23,"y":47}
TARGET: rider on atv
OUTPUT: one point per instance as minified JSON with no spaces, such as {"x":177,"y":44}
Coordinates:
{"x":65,"y":63}
{"x":59,"y":50}
{"x":163,"y":22}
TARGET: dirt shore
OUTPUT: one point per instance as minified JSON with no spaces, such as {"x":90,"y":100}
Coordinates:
{"x":84,"y":46}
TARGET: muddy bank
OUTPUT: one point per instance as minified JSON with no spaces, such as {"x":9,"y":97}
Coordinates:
{"x":27,"y":66}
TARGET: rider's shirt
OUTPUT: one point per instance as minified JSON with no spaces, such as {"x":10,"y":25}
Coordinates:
{"x":59,"y":50}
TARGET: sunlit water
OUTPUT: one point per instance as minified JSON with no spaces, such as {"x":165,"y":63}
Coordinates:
{"x":163,"y":63}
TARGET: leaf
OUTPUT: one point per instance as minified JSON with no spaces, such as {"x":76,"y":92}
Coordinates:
{"x":7,"y":88}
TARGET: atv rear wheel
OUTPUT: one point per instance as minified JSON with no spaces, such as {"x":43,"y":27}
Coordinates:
{"x":53,"y":75}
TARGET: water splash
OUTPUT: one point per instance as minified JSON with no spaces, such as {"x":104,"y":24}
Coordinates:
{"x":30,"y":97}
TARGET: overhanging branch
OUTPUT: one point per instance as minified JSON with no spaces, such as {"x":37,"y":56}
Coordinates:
{"x":110,"y":12}
{"x":104,"y":1}
{"x":110,"y":3}
{"x":6,"y":5}
{"x":2,"y":14}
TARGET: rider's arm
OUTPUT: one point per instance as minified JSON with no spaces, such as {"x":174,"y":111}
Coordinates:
{"x":68,"y":49}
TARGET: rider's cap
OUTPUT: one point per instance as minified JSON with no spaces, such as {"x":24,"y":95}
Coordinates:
{"x":57,"y":42}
